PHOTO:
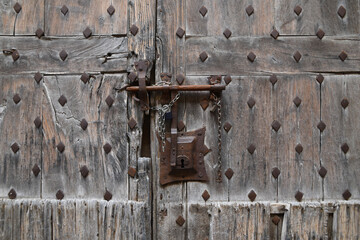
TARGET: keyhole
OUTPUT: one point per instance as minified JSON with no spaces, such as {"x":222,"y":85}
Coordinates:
{"x":182,"y":163}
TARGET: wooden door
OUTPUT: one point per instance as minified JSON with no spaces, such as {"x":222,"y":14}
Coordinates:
{"x":79,"y":159}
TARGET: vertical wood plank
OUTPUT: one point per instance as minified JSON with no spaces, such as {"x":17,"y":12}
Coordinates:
{"x":348,"y":221}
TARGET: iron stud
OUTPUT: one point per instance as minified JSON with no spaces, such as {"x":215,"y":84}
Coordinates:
{"x":227,"y":126}
{"x":297,"y":56}
{"x":87,"y":32}
{"x":180,"y":79}
{"x":132,"y":77}
{"x":12,"y":194}
{"x":227,"y":33}
{"x":276,"y":125}
{"x":61,"y":147}
{"x":204,"y":104}
{"x":132,"y":123}
{"x":276,"y":172}
{"x":299,"y":195}
{"x":15,"y":55}
{"x":17,"y":7}
{"x":345,"y":148}
{"x":203,"y":56}
{"x":320,"y":78}
{"x":322,"y":172}
{"x":252,"y":195}
{"x":15,"y":147}
{"x":249,"y":10}
{"x":251,"y":57}
{"x":345,"y":103}
{"x":37,"y":122}
{"x":38,"y":77}
{"x":62,"y":100}
{"x":109,"y":101}
{"x":299,"y":148}
{"x":347,"y":194}
{"x":341,"y":11}
{"x":85,"y":78}
{"x":343,"y":55}
{"x":111,"y":10}
{"x":63,"y":55}
{"x":203,"y":10}
{"x":321,"y":126}
{"x":84,"y":171}
{"x":297,"y":10}
{"x":134,"y":30}
{"x":132,"y":172}
{"x":275,"y":34}
{"x":205,"y":195}
{"x":84,"y":124}
{"x":39,"y":33}
{"x":251,"y":149}
{"x":227,"y":79}
{"x":276,"y":219}
{"x":107,"y":148}
{"x":273,"y":79}
{"x":107,"y":195}
{"x":180,"y":221}
{"x":320,"y":33}
{"x":229,"y":173}
{"x":297,"y":101}
{"x":180,"y":32}
{"x":251,"y":102}
{"x":16,"y":98}
{"x":60,"y":195}
{"x":36,"y":170}
{"x":64,"y":10}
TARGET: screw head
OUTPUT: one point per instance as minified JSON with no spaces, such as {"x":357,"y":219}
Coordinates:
{"x":60,"y":195}
{"x":61,"y":147}
{"x":227,"y":126}
{"x":203,"y":56}
{"x":251,"y":57}
{"x":276,"y":125}
{"x":341,"y":11}
{"x":322,"y":172}
{"x":64,"y":10}
{"x":299,"y":195}
{"x":321,"y":126}
{"x":297,"y":101}
{"x":180,"y":79}
{"x":84,"y":171}
{"x":297,"y":56}
{"x":252,"y":195}
{"x":320,"y":33}
{"x":345,"y":103}
{"x":320,"y":78}
{"x":12,"y":194}
{"x":275,"y":34}
{"x":38,"y":77}
{"x":39,"y":33}
{"x":111,"y":10}
{"x":17,"y":7}
{"x":132,"y":123}
{"x":343,"y":55}
{"x":37,"y":122}
{"x":251,"y":102}
{"x":180,"y":221}
{"x":229,"y":173}
{"x":107,"y":195}
{"x":107,"y":148}
{"x":227,"y":33}
{"x":204,"y":104}
{"x":299,"y":148}
{"x":15,"y":55}
{"x":15,"y":147}
{"x":297,"y":10}
{"x":345,"y":148}
{"x":203,"y":10}
{"x":134,"y":30}
{"x":227,"y":79}
{"x":249,"y":10}
{"x":251,"y":149}
{"x":109,"y":101}
{"x":84,"y":124}
{"x":205,"y":195}
{"x":273,"y":79}
{"x":16,"y":98}
{"x":275,"y":172}
{"x":63,"y":55}
{"x":36,"y":170}
{"x":180,"y":32}
{"x":347,"y":194}
{"x":276,"y":219}
{"x":62,"y":100}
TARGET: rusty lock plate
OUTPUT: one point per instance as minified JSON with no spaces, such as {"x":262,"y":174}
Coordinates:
{"x":189,"y":164}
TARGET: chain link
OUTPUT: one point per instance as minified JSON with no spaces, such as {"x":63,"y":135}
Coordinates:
{"x":217,"y":102}
{"x":166,"y":108}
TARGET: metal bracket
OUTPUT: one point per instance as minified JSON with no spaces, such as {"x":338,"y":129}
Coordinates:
{"x":142,"y":67}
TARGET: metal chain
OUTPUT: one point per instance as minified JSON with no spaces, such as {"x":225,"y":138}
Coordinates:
{"x":217,"y":102}
{"x":166,"y":108}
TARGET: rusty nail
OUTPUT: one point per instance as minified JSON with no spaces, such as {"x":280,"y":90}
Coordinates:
{"x":15,"y":55}
{"x":181,"y":125}
{"x":15,"y":147}
{"x":298,"y":10}
{"x":297,"y":101}
{"x":252,"y":195}
{"x":297,"y":56}
{"x":345,"y":103}
{"x":273,"y":79}
{"x":229,"y":173}
{"x":345,"y":148}
{"x":107,"y":195}
{"x":227,"y":33}
{"x":36,"y":170}
{"x":134,"y":30}
{"x":227,"y":79}
{"x":63,"y":55}
{"x":37,"y":122}
{"x":132,"y":123}
{"x":17,"y":7}
{"x":276,"y":125}
{"x":38,"y":77}
{"x":61,"y":147}
{"x":84,"y":171}
{"x":111,"y":10}
{"x":206,"y":150}
{"x":275,"y":34}
{"x":180,"y":79}
{"x":16,"y":98}
{"x":84,"y":124}
{"x":299,"y":148}
{"x":62,"y":100}
{"x":203,"y":10}
{"x":64,"y":10}
{"x":320,"y":78}
{"x":109,"y":101}
{"x":204,"y":104}
{"x":251,"y":149}
{"x":60,"y":195}
{"x":107,"y":148}
{"x":180,"y":32}
{"x":276,"y":172}
{"x":343,"y":55}
{"x":12,"y":194}
{"x":39,"y":33}
{"x":85,"y":77}
{"x":299,"y":195}
{"x":180,"y":221}
{"x":320,"y":33}
{"x":276,"y":219}
{"x":249,"y":10}
{"x":341,"y":11}
{"x":132,"y":172}
{"x":87,"y":32}
{"x":321,"y":126}
{"x":203,"y":56}
{"x":132,"y":77}
{"x":227,"y":126}
{"x":205,"y":195}
{"x":251,"y":102}
{"x":347,"y":194}
{"x":322,"y":172}
{"x":251,"y":57}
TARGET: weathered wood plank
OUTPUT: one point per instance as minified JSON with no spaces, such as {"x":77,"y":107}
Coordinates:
{"x":343,"y":126}
{"x":229,"y":56}
{"x":26,"y":22}
{"x":83,"y":14}
{"x":347,"y":221}
{"x":227,"y":14}
{"x":315,"y":15}
{"x":84,"y":147}
{"x":95,"y":55}
{"x":167,"y":214}
{"x":198,"y":221}
{"x":17,"y":127}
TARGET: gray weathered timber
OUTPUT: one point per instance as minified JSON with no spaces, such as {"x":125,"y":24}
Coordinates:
{"x":83,"y":14}
{"x":343,"y":126}
{"x":16,"y":126}
{"x":84,"y":147}
{"x":99,"y":54}
{"x":230,"y":56}
{"x":230,"y":14}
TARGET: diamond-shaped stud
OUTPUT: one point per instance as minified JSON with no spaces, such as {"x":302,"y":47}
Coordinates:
{"x":276,"y":219}
{"x":132,"y":172}
{"x":84,"y":124}
{"x":85,"y":78}
{"x":12,"y":194}
{"x":111,"y":10}
{"x":345,"y":148}
{"x":134,"y":30}
{"x":203,"y":10}
{"x":252,"y":195}
{"x":251,"y":57}
{"x":87,"y":32}
{"x":297,"y":101}
{"x":227,"y":33}
{"x":132,"y":77}
{"x":347,"y":194}
{"x":205,"y":195}
{"x":107,"y":195}
{"x":37,"y":122}
{"x":38,"y":77}
{"x":229,"y":173}
{"x":180,"y":79}
{"x":15,"y":55}
{"x":275,"y":172}
{"x":276,"y":125}
{"x":64,"y":10}
{"x":321,"y":126}
{"x":320,"y":78}
{"x":227,"y":79}
{"x":84,"y":171}
{"x":180,"y":221}
{"x":62,"y":100}
{"x":203,"y":56}
{"x":36,"y":170}
{"x":341,"y":11}
{"x":251,"y":149}
{"x":297,"y":56}
{"x":60,"y":195}
{"x":275,"y":34}
{"x":322,"y":172}
{"x":17,"y":7}
{"x":63,"y":55}
{"x":345,"y":103}
{"x":204,"y":104}
{"x":39,"y":33}
{"x":251,"y":102}
{"x":299,"y":195}
{"x":60,"y":147}
{"x":180,"y":32}
{"x":299,"y":148}
{"x":343,"y":55}
{"x":227,"y":126}
{"x":273,"y":79}
{"x":107,"y":148}
{"x":249,"y":10}
{"x":181,"y":125}
{"x":320,"y":33}
{"x":16,"y":98}
{"x":132,"y":123}
{"x":109,"y":101}
{"x":298,"y":10}
{"x":15,"y":147}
